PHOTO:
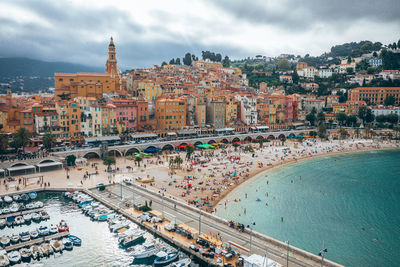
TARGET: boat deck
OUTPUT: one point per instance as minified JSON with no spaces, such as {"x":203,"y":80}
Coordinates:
{"x":36,"y":241}
{"x":19,"y":213}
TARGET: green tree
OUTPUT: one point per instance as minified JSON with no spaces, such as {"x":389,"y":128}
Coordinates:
{"x":138,"y":159}
{"x":187,"y":60}
{"x":172,"y":62}
{"x":396,"y":129}
{"x":351,"y":120}
{"x":322,"y":130}
{"x":249,"y":149}
{"x":341,"y":118}
{"x":357,"y":132}
{"x":226,"y":62}
{"x":189,"y":152}
{"x":311,"y":118}
{"x":374,"y":54}
{"x":218,"y":57}
{"x":390,"y":100}
{"x":295,"y":77}
{"x":343,"y":133}
{"x":283,"y":65}
{"x":380,"y":118}
{"x":177,"y":61}
{"x":3,"y":142}
{"x":236,"y":145}
{"x":49,"y":140}
{"x":163,"y":64}
{"x":70,"y":159}
{"x":108,"y":161}
{"x":392,"y":118}
{"x":320,"y":118}
{"x":21,"y":138}
{"x":365,"y":114}
{"x":178,"y":160}
{"x":260,"y":141}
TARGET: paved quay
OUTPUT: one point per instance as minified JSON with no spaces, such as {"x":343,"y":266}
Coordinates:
{"x":179,"y":212}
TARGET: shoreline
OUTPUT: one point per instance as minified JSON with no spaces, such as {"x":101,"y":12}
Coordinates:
{"x":255,"y":173}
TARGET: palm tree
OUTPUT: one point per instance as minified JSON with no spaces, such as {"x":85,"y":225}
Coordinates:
{"x":21,"y":138}
{"x":178,"y":160}
{"x":357,"y":132}
{"x":189,"y":152}
{"x":3,"y":142}
{"x":343,"y":133}
{"x":397,"y":130}
{"x":49,"y":140}
{"x":138,"y":159}
{"x":109,"y":161}
{"x":236,"y":145}
{"x":367,"y":129}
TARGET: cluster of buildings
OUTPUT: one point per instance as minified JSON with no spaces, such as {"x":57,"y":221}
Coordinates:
{"x":171,"y":98}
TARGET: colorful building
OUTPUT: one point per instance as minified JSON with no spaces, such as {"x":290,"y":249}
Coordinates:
{"x":170,"y":114}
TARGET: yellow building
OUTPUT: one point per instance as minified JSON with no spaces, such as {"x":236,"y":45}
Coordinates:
{"x":170,"y":113}
{"x":339,"y":108}
{"x":71,"y":85}
{"x":108,"y":119}
{"x":231,"y":110}
{"x":149,"y":90}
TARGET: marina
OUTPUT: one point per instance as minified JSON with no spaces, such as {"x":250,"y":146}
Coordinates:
{"x":20,"y":213}
{"x":36,"y":241}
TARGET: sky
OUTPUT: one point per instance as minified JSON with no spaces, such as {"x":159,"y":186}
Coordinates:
{"x":149,"y":32}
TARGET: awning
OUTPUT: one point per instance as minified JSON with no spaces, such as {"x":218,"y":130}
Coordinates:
{"x":144,"y":135}
{"x":20,"y":168}
{"x":262,"y":127}
{"x":1,"y":170}
{"x":49,"y":164}
{"x":298,"y":123}
{"x":171,"y":134}
{"x":187,"y":132}
{"x":225,"y":130}
{"x":102,"y":138}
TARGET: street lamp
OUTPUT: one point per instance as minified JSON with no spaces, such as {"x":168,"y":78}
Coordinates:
{"x":251,"y":233}
{"x":287,"y":254}
{"x":322,"y":253}
{"x":200,"y":221}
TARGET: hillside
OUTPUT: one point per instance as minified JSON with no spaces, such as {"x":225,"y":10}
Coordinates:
{"x":12,"y":67}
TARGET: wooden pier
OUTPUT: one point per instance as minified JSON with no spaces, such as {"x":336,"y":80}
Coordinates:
{"x":38,"y":240}
{"x":20,"y":213}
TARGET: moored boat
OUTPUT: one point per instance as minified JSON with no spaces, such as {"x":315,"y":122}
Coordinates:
{"x":30,"y":206}
{"x":16,"y":197}
{"x":56,"y":245}
{"x":8,"y":199}
{"x":164,"y":257}
{"x":32,"y":195}
{"x":3,"y":258}
{"x":25,"y":236}
{"x":15,"y":238}
{"x":63,"y":226}
{"x":27,"y":217}
{"x":19,"y":220}
{"x":3,"y":223}
{"x":131,"y":239}
{"x":43,"y":230}
{"x":10,"y":220}
{"x":14,"y":207}
{"x":38,"y":204}
{"x":5,"y":211}
{"x":118,"y":225}
{"x":34,"y":234}
{"x":67,"y":243}
{"x":53,"y":229}
{"x":46,"y":249}
{"x":44,"y":215}
{"x":35,"y":252}
{"x":36,"y":217}
{"x":5,"y":241}
{"x":75,"y":240}
{"x":24,"y":197}
{"x":25,"y":254}
{"x":147,"y":250}
{"x":181,"y":263}
{"x":14,"y":257}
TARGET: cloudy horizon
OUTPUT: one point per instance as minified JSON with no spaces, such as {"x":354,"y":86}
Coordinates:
{"x":155,"y":31}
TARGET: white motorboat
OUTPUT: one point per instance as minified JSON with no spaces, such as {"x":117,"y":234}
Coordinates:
{"x":16,"y":197}
{"x":44,"y":215}
{"x":5,"y":241}
{"x":53,"y":229}
{"x":15,"y":238}
{"x":181,"y":263}
{"x":164,"y":257}
{"x":2,"y":223}
{"x":19,"y":220}
{"x":121,"y":224}
{"x":36,"y":217}
{"x":43,"y":230}
{"x":27,"y":217}
{"x":5,"y":211}
{"x":67,"y":243}
{"x":25,"y":236}
{"x":3,"y":258}
{"x":36,"y":252}
{"x":56,"y":245}
{"x":14,"y":207}
{"x":14,"y":257}
{"x":46,"y":249}
{"x":25,"y":253}
{"x":34,"y":234}
{"x":8,"y":199}
{"x":131,"y":239}
{"x":30,"y":206}
{"x":38,"y":204}
{"x":146,"y":250}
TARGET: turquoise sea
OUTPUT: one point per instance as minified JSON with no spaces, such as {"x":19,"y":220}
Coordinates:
{"x":351,"y":202}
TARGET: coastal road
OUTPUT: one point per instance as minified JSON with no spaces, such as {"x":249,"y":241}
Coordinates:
{"x":179,"y":212}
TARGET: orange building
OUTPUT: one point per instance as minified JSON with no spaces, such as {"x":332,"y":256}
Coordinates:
{"x":71,"y":85}
{"x":375,"y":95}
{"x":170,"y":113}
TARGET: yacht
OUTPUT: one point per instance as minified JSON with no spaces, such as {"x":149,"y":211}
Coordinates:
{"x":181,"y":263}
{"x":36,"y":217}
{"x":5,"y":211}
{"x":3,"y":258}
{"x":44,"y":215}
{"x":164,"y":257}
{"x":24,"y":197}
{"x":16,"y":197}
{"x":3,"y":223}
{"x":30,"y":206}
{"x":121,"y":224}
{"x":10,"y":220}
{"x":32,"y":195}
{"x":146,"y":250}
{"x":38,"y":204}
{"x":75,"y":240}
{"x":14,"y":257}
{"x":131,"y":239}
{"x":14,"y":207}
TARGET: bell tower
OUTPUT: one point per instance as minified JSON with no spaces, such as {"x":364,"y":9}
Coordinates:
{"x":111,"y":65}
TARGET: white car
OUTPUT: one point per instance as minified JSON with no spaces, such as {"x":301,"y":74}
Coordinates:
{"x":169,"y":227}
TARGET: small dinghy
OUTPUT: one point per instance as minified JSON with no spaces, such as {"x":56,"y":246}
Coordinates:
{"x":36,"y":217}
{"x":25,"y":254}
{"x":32,"y":195}
{"x":5,"y":211}
{"x":67,"y":244}
{"x":62,"y":227}
{"x":38,"y":204}
{"x":16,"y":197}
{"x":75,"y":240}
{"x":30,"y":206}
{"x":5,"y":241}
{"x":34,"y":234}
{"x":15,"y":238}
{"x":35,"y":251}
{"x":27,"y":217}
{"x":3,"y":258}
{"x":24,"y":197}
{"x":25,"y":236}
{"x":8,"y":199}
{"x":56,"y":245}
{"x":164,"y":257}
{"x":14,"y":257}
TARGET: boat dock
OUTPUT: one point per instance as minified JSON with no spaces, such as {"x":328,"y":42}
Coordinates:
{"x":20,"y":213}
{"x":36,"y":241}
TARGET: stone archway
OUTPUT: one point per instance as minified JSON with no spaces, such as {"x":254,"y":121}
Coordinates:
{"x":211,"y":142}
{"x":168,"y":147}
{"x":131,"y":151}
{"x":92,"y":155}
{"x":271,"y":137}
{"x":114,"y":153}
{"x":225,"y":141}
{"x":236,"y":139}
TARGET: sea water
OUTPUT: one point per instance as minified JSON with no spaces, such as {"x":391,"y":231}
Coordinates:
{"x":351,"y":202}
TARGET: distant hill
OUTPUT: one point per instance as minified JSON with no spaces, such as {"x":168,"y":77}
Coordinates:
{"x":12,"y":67}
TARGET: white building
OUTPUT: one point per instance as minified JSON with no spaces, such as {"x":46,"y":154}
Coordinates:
{"x":308,"y":72}
{"x":325,"y":73}
{"x":382,"y":110}
{"x":248,"y":109}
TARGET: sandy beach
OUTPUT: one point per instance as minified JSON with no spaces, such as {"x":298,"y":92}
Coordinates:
{"x":204,"y":179}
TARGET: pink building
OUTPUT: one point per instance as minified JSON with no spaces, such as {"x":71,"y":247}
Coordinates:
{"x":126,"y":110}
